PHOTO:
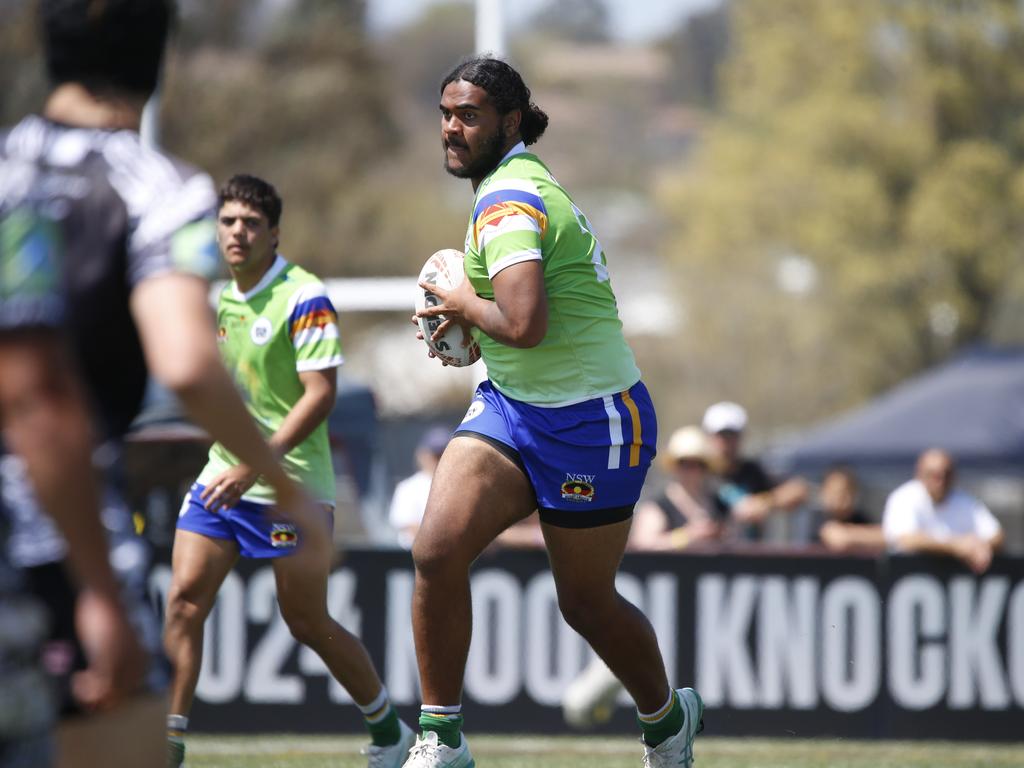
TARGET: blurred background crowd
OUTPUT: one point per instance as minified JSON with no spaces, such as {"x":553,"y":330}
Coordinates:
{"x":812,"y":209}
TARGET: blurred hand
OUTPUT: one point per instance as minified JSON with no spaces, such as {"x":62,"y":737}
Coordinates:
{"x":834,"y":536}
{"x":975,"y":552}
{"x":227,"y":488}
{"x":752,"y":508}
{"x":117,"y":663}
{"x":703,"y":529}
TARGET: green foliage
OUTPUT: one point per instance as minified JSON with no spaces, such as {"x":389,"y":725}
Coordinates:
{"x":878,"y":145}
{"x":301,"y":98}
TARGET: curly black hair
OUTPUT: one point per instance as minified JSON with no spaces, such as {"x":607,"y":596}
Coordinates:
{"x":506,"y":90}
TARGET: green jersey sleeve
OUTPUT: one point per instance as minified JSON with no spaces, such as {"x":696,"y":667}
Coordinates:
{"x":313,"y":326}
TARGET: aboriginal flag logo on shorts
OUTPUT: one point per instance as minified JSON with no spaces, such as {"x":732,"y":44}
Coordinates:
{"x":578,"y":488}
{"x":283,"y":535}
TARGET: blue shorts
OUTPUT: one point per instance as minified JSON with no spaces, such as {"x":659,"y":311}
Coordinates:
{"x":249,"y":524}
{"x":587,"y":462}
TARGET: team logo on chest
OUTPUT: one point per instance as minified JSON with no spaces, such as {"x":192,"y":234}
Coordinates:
{"x":261,"y":331}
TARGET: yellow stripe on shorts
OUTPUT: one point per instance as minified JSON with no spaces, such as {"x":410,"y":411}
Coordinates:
{"x":634,"y":414}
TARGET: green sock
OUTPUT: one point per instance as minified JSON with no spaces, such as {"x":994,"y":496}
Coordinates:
{"x":447,"y":727}
{"x":176,"y":727}
{"x":664,"y":723}
{"x":385,"y":731}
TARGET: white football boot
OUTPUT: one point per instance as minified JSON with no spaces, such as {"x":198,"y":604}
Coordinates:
{"x":431,"y":753}
{"x":394,"y":755}
{"x":678,"y":750}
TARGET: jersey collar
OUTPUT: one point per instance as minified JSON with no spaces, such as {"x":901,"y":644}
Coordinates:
{"x":518,"y":149}
{"x":269,"y":276}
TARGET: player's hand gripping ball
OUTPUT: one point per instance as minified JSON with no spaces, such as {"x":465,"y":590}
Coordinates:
{"x":444,"y":269}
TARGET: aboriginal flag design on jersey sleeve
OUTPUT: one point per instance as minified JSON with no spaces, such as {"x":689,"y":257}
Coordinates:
{"x":509,"y":222}
{"x":314,"y":330}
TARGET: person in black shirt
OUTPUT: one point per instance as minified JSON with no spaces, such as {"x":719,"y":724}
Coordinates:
{"x":743,"y":490}
{"x":838,"y":523}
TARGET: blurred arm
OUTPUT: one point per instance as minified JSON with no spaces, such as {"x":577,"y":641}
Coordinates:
{"x":320,"y":390}
{"x":789,"y":495}
{"x":46,"y":421}
{"x":845,"y":536}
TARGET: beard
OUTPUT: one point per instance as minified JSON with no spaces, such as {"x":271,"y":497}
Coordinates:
{"x":483,"y":161}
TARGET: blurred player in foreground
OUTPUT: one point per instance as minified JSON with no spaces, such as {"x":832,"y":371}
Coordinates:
{"x":278,"y":333}
{"x":105,"y":247}
{"x":564,"y":425}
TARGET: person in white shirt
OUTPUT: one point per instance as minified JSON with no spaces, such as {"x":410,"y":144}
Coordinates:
{"x":929,"y":515}
{"x":409,"y":500}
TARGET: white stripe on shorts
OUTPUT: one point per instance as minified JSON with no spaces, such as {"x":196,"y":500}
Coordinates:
{"x":614,"y":431}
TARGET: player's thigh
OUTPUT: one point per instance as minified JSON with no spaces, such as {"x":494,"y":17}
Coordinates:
{"x":584,"y":561}
{"x":301,"y":578}
{"x":131,"y":735}
{"x":477,"y":492}
{"x":199,"y":565}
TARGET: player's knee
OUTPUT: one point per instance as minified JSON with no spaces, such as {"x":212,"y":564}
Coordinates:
{"x":583,"y":609}
{"x":436,"y":558}
{"x":183,"y":611}
{"x":304,"y":626}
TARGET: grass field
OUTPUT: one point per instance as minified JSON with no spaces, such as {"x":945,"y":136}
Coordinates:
{"x":292,"y":751}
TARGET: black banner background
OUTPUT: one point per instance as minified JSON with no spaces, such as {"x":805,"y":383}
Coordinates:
{"x":793,"y":645}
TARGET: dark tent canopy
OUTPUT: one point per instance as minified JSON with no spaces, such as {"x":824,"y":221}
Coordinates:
{"x":972,"y":406}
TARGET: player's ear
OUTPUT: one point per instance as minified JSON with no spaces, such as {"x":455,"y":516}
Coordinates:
{"x":275,"y":232}
{"x":511,"y":122}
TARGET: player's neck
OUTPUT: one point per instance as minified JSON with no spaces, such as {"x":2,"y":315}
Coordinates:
{"x":509,"y":145}
{"x":74,"y":104}
{"x":247,"y":279}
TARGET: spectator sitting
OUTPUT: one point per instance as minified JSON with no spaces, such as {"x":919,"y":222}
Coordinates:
{"x":409,"y":500}
{"x":929,"y":515}
{"x":744,"y":490}
{"x":838,"y":523}
{"x":682,"y":515}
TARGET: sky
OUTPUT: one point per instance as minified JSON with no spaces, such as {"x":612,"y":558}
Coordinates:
{"x":632,"y":21}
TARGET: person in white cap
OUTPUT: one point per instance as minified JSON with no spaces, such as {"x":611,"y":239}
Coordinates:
{"x":744,"y":490}
{"x":684,"y":514}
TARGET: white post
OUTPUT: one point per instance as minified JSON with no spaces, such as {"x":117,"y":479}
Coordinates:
{"x":490,"y":28}
{"x":149,"y":130}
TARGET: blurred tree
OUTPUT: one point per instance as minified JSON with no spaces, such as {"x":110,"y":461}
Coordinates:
{"x":296,"y":97}
{"x":696,"y":49}
{"x":855,"y":211}
{"x":22,"y":79}
{"x":422,"y":53}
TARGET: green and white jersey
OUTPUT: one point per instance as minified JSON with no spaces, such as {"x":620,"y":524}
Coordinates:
{"x":522,"y":214}
{"x":283,"y":326}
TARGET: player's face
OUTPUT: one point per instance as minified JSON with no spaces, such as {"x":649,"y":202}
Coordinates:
{"x":473,"y":134}
{"x":246,"y":239}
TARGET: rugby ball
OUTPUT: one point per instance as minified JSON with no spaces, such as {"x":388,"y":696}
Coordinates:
{"x":444,"y":269}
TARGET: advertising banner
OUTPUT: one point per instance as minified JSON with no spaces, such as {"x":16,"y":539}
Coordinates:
{"x":777,"y":645}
